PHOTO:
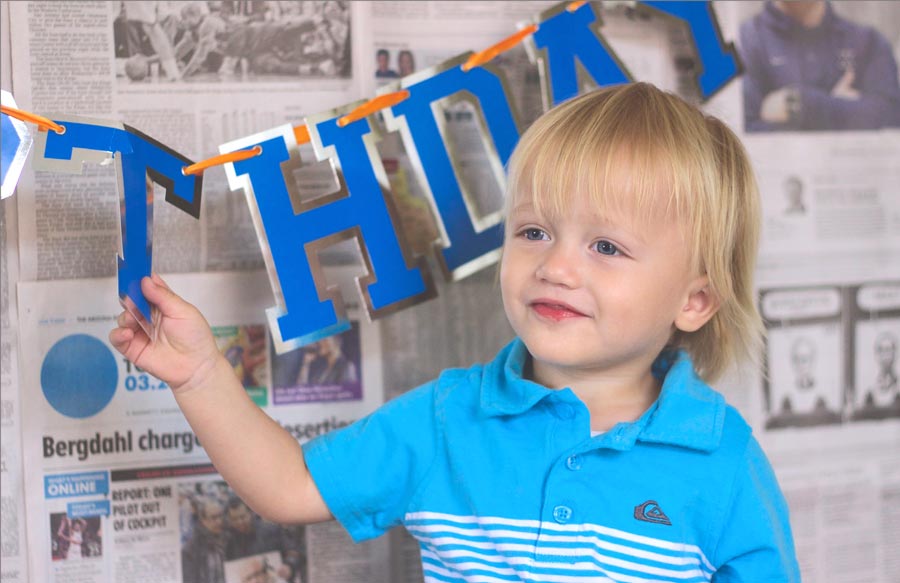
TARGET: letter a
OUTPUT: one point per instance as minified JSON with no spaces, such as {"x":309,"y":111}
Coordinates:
{"x":565,"y":38}
{"x":718,"y":60}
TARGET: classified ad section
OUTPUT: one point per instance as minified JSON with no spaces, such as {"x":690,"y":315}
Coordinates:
{"x":118,"y":487}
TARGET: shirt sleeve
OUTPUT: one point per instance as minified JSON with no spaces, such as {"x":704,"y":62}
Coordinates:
{"x":756,"y":543}
{"x":878,"y":104}
{"x":369,"y":471}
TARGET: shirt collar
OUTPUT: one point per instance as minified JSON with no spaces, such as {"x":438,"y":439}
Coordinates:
{"x":687,"y":413}
{"x":504,"y":390}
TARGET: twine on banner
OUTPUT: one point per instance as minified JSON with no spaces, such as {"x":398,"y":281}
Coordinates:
{"x":489,"y":53}
{"x":199,"y":167}
{"x":373,"y":105}
{"x":572,"y":7}
{"x":301,"y":134}
{"x":42,"y":122}
{"x":509,"y":42}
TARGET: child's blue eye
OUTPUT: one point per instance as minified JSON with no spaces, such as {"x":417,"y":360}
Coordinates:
{"x":606,"y":248}
{"x":533,"y":234}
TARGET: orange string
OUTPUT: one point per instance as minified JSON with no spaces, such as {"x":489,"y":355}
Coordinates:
{"x":373,"y":105}
{"x":199,"y":167}
{"x":42,"y":122}
{"x":573,"y":6}
{"x":489,"y":53}
{"x":301,"y":134}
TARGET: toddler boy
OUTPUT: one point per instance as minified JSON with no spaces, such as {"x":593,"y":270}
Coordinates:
{"x":591,"y":447}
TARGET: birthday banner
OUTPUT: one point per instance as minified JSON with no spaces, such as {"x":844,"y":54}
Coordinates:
{"x":16,"y":144}
{"x":564,"y":42}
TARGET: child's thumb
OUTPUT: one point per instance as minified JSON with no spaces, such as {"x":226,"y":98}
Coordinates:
{"x":161,"y":295}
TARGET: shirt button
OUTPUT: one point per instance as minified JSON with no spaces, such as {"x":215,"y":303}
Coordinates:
{"x":573,"y":462}
{"x":565,"y":411}
{"x":562,"y":514}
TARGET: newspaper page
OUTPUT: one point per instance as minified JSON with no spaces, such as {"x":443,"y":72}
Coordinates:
{"x":12,"y":516}
{"x":13,"y":551}
{"x":117,"y":486}
{"x":192,"y":75}
{"x":826,"y":403}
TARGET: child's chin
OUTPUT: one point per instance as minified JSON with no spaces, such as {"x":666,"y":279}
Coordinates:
{"x":558,"y":356}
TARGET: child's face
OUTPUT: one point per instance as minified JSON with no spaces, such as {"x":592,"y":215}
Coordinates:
{"x":597,"y":294}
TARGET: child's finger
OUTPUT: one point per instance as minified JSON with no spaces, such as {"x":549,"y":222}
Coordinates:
{"x":158,"y":280}
{"x":129,"y":342}
{"x":168,"y":302}
{"x":126,"y":320}
{"x":121,"y":338}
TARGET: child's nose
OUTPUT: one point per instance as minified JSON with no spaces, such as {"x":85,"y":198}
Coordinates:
{"x":558,"y":266}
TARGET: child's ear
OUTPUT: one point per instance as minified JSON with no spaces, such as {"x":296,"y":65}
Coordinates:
{"x":700,"y":305}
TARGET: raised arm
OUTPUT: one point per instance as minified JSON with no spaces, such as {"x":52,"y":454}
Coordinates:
{"x":261,"y":461}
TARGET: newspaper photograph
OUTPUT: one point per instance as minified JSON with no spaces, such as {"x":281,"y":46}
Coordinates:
{"x":819,"y":66}
{"x":208,"y":42}
{"x":831,"y":354}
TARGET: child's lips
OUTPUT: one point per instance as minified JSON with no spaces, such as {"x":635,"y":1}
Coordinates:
{"x":555,"y":311}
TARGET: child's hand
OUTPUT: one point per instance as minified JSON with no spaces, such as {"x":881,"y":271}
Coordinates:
{"x":184,"y":352}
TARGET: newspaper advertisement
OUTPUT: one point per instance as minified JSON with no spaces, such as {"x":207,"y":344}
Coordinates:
{"x":118,"y":487}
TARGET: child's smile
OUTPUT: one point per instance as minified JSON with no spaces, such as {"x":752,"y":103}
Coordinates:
{"x":555,"y":310}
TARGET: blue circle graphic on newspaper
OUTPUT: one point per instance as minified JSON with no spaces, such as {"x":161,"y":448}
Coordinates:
{"x":79,"y":376}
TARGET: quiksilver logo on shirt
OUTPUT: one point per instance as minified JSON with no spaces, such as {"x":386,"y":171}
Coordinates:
{"x":650,"y":511}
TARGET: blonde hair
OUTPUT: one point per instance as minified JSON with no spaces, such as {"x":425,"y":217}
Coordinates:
{"x":625,"y":145}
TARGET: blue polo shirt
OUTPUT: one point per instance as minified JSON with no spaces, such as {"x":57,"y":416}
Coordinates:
{"x":499,"y":479}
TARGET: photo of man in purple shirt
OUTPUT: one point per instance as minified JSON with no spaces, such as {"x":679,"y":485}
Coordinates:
{"x":806,"y":68}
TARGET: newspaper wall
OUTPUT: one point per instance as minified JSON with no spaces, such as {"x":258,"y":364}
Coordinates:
{"x":13,"y":554}
{"x":823,"y":402}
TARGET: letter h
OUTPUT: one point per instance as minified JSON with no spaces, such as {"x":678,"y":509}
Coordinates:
{"x":293,"y":231}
